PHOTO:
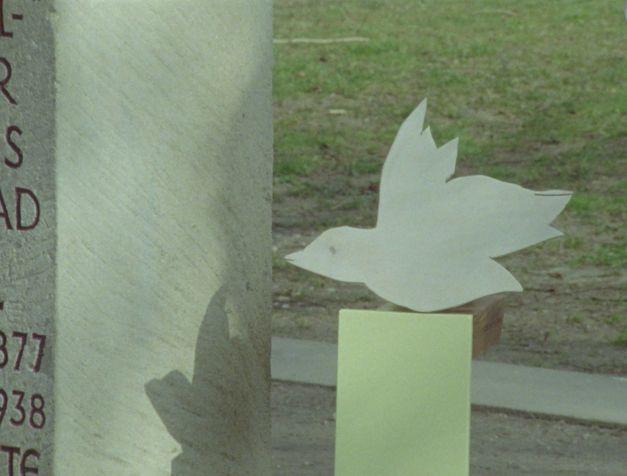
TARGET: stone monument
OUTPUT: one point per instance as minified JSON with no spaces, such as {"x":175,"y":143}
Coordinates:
{"x":136,"y":234}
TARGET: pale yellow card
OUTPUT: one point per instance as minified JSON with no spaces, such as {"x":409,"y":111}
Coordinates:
{"x":403,"y":394}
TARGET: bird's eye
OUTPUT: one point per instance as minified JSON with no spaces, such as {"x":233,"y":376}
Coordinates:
{"x":332,"y":250}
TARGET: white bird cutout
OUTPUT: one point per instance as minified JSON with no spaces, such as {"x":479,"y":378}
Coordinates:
{"x":435,"y":238}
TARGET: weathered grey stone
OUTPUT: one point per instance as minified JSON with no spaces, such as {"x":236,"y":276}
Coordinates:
{"x":27,"y":238}
{"x":145,"y":139}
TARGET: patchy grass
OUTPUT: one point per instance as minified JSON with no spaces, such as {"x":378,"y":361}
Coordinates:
{"x":621,"y":340}
{"x":617,"y":320}
{"x":532,"y":88}
{"x":576,"y":319}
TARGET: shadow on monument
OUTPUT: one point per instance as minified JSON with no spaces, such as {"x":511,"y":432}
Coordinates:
{"x":221,"y":419}
{"x":210,"y":417}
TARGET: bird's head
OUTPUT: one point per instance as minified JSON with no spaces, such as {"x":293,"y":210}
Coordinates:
{"x":336,"y":253}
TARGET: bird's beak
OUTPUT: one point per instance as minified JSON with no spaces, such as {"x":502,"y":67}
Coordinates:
{"x":293,"y":257}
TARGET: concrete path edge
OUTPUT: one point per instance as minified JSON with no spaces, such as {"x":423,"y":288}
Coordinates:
{"x":591,"y":398}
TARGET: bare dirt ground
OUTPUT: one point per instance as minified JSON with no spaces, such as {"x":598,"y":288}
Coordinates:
{"x":569,"y":317}
{"x":501,"y":444}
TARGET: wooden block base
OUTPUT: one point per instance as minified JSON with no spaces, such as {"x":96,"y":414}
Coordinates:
{"x":487,"y":321}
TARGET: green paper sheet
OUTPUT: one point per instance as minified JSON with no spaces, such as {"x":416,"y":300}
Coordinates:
{"x":403,"y":394}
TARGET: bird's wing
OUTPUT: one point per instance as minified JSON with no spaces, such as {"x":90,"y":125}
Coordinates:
{"x":414,"y":166}
{"x":499,"y":217}
{"x":439,"y":254}
{"x":437,"y":277}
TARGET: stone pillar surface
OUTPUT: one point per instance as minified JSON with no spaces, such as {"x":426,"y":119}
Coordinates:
{"x":27,"y":238}
{"x":136,"y":247}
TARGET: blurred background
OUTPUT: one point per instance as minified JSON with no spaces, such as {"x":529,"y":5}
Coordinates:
{"x":536,"y":91}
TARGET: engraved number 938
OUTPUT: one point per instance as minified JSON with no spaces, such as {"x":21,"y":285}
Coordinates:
{"x":23,"y":411}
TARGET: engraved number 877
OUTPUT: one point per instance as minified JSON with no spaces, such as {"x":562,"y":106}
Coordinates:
{"x":22,"y":338}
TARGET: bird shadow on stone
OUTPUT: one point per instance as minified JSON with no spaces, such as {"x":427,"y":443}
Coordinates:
{"x":210,"y":417}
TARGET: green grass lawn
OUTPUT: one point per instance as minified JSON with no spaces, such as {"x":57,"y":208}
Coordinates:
{"x":535,"y":90}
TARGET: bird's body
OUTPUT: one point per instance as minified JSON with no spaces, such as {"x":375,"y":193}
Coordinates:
{"x":434,"y":239}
